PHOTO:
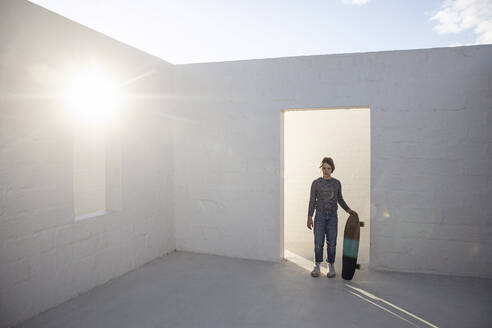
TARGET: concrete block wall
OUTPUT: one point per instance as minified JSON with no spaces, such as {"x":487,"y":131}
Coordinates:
{"x":431,"y":130}
{"x":46,"y":257}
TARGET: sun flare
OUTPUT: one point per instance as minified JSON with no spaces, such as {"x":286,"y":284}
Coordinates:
{"x":92,"y":97}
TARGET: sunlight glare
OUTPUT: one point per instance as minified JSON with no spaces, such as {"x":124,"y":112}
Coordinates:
{"x":92,"y":97}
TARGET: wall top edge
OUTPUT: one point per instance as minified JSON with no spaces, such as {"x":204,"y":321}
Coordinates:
{"x":344,"y":54}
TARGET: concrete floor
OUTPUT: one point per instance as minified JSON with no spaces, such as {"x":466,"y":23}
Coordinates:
{"x":185,"y":289}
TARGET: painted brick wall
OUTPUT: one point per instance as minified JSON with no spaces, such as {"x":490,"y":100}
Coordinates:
{"x":46,"y":257}
{"x":431,"y":148}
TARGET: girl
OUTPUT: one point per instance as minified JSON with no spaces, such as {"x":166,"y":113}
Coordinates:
{"x":326,"y":194}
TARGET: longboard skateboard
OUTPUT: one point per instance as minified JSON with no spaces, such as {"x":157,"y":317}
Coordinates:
{"x":351,"y":236}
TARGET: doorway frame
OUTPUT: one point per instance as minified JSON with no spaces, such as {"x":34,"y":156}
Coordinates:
{"x":282,"y":154}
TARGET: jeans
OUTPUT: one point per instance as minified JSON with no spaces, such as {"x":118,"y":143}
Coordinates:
{"x":325,"y":224}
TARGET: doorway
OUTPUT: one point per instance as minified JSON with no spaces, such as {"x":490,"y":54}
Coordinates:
{"x":308,"y":135}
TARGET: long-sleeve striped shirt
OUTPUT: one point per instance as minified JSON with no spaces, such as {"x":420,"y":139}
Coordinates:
{"x":326,"y":194}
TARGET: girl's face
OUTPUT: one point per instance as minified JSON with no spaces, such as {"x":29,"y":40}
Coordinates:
{"x":326,"y":169}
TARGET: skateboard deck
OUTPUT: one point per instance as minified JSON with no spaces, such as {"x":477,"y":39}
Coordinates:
{"x":351,"y":237}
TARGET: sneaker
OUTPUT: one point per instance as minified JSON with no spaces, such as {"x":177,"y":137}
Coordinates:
{"x":331,"y":271}
{"x":315,"y":272}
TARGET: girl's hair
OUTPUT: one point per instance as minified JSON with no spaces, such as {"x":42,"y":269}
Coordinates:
{"x":328,"y":160}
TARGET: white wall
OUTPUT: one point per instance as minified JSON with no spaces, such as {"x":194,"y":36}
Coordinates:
{"x":310,"y":135}
{"x":431,"y":134}
{"x":46,"y":257}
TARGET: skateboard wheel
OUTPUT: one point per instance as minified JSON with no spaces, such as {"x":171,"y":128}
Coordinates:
{"x":357,"y":266}
{"x":361,"y":223}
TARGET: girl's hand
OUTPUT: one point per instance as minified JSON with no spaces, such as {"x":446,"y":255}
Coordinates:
{"x":352,"y":212}
{"x":310,"y":223}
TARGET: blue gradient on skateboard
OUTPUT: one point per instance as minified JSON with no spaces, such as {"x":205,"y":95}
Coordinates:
{"x":350,"y":247}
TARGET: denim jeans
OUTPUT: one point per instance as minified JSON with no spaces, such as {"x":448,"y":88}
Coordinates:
{"x":325,"y":224}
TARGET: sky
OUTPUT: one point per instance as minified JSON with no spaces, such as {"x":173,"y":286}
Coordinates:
{"x":194,"y":31}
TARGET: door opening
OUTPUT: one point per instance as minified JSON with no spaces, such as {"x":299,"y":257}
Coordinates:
{"x":308,"y":135}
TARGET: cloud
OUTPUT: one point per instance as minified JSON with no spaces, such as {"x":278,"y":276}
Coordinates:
{"x":460,"y":15}
{"x":356,"y":2}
